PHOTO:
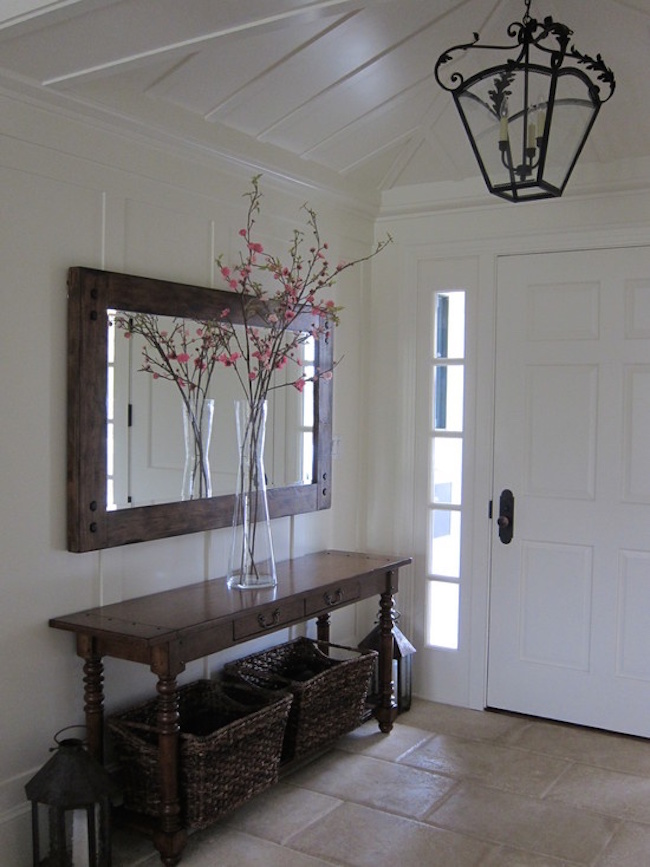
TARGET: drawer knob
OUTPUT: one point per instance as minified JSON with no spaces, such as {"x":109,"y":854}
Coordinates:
{"x":333,"y":598}
{"x":267,"y":623}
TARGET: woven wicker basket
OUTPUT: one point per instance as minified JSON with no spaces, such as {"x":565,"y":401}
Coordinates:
{"x":230,"y":746}
{"x":328,"y":693}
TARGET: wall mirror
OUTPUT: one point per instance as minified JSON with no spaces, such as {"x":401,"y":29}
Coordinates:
{"x":125,"y":435}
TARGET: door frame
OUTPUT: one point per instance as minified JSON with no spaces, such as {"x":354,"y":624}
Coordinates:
{"x":420,"y":259}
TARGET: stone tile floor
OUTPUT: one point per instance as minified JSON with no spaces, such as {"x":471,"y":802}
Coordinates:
{"x":449,"y":787}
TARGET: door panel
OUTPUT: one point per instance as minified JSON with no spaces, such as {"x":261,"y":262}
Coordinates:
{"x":569,"y":631}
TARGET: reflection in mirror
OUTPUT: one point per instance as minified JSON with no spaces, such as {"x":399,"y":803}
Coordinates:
{"x":152,"y":455}
{"x":125,"y":481}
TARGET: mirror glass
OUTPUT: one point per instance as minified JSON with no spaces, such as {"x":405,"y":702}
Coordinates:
{"x":127,"y":466}
{"x":149,"y":460}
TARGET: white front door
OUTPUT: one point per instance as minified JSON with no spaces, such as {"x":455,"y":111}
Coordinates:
{"x":569,"y":629}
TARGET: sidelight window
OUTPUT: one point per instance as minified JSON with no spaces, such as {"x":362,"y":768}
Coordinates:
{"x":445,"y":468}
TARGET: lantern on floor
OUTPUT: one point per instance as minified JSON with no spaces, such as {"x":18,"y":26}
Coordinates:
{"x":77,"y":792}
{"x":402,"y":677}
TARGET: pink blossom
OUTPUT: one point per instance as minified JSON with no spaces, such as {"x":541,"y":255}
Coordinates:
{"x":243,"y":232}
{"x":289,"y":315}
{"x":228,"y":360}
{"x":182,"y":357}
{"x":255,"y":247}
{"x":252,"y":375}
{"x":299,"y":384}
{"x":273,"y":319}
{"x":326,"y":376}
{"x":225,"y":272}
{"x":281,"y":362}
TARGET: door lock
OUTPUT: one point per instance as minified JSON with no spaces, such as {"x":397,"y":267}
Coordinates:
{"x":506,"y":518}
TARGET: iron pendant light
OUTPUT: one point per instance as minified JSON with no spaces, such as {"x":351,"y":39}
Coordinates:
{"x":528,"y":116}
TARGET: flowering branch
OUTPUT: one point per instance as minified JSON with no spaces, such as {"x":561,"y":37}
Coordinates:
{"x":269,"y":339}
{"x":185,"y":355}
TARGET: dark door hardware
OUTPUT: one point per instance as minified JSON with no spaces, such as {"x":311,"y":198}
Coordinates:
{"x":506,"y":517}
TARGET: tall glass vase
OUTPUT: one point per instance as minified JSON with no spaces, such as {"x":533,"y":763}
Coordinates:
{"x":197,"y":431}
{"x":252,"y":564}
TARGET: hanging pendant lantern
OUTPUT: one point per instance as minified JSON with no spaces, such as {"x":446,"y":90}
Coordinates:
{"x":77,"y":792}
{"x":528,"y":116}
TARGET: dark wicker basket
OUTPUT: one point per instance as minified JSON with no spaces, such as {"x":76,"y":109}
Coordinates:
{"x":328,"y":693}
{"x":230,"y":746}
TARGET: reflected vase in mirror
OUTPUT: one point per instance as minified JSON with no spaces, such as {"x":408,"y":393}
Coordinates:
{"x":197,"y":432}
{"x":251,"y":564}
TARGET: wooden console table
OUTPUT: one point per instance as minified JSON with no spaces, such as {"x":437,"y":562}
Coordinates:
{"x":167,"y":630}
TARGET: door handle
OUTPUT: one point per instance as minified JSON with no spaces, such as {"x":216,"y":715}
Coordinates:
{"x":506,"y":519}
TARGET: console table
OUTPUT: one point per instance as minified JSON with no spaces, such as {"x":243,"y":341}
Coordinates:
{"x":169,"y":629}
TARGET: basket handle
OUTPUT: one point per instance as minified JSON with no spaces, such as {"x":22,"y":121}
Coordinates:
{"x":362,"y":651}
{"x":140,"y":726}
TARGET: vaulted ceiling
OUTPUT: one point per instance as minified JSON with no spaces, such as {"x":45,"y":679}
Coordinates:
{"x":344,"y":88}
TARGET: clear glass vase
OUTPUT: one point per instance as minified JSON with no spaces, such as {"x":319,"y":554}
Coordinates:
{"x":197,"y":431}
{"x":251,"y":564}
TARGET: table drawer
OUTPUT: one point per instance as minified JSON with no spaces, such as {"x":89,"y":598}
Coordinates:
{"x":331,"y":598}
{"x":267,"y":619}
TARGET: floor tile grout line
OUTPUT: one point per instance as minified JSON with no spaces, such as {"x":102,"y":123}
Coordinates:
{"x":563,"y":773}
{"x":615,"y":832}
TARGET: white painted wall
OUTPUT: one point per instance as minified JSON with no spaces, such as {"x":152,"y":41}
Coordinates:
{"x":73,"y":193}
{"x":76,"y":194}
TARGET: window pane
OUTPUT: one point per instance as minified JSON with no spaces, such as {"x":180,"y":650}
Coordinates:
{"x":441,"y":327}
{"x":442,"y":622}
{"x":308,"y":401}
{"x":456,"y":345}
{"x":110,"y":449}
{"x":307,"y":456}
{"x":447,"y":462}
{"x":309,"y":350}
{"x":110,"y":496}
{"x":110,"y":392}
{"x":444,"y":548}
{"x":448,"y":393}
{"x":449,"y":325}
{"x":111,"y":336}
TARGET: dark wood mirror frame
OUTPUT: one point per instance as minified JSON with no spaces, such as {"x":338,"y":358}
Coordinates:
{"x":91,"y":526}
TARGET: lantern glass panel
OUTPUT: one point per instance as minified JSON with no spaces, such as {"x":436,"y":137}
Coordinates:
{"x":572,"y":117}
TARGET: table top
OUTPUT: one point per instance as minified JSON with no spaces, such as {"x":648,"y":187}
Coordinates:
{"x":158,"y":617}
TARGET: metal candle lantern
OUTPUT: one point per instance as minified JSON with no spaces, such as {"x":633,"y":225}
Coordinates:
{"x":403,"y":651}
{"x":77,"y":792}
{"x":529,"y":111}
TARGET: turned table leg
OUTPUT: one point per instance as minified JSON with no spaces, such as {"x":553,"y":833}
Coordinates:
{"x":170,"y":837}
{"x":93,"y":695}
{"x":323,"y":627}
{"x":386,"y":710}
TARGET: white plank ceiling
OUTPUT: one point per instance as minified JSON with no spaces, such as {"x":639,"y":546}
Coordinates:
{"x":341,"y":87}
